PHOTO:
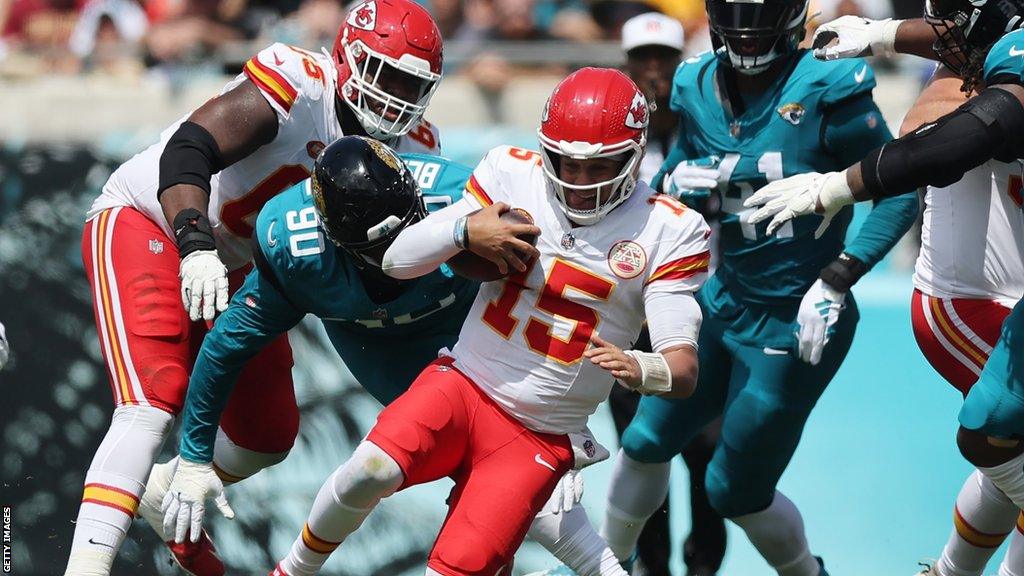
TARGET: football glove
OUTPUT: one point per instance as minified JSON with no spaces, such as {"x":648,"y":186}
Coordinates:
{"x":204,"y":284}
{"x":184,"y":504}
{"x":4,"y":349}
{"x":568,"y":493}
{"x":816,"y":319}
{"x":857,"y":37}
{"x":799,"y":195}
{"x":586,"y":450}
{"x":691,"y":181}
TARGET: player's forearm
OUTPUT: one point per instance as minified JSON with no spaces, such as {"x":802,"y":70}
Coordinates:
{"x":683,"y":365}
{"x":888,"y":221}
{"x":183,"y":197}
{"x":423,"y":247}
{"x":915,"y":37}
{"x":239,"y":334}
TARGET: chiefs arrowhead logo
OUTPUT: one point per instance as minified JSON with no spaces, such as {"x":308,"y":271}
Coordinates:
{"x":547,"y":108}
{"x":364,"y":16}
{"x":637,"y":116}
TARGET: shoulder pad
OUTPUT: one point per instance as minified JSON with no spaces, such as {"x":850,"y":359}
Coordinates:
{"x":1006,"y":58}
{"x":424,"y":138}
{"x":284,"y":74}
{"x":686,"y":77}
{"x":441,"y":180}
{"x":288,"y":234}
{"x":499,"y":170}
{"x":838,"y":80}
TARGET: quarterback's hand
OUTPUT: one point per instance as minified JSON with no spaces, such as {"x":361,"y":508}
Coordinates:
{"x":855,"y":36}
{"x":611,"y":358}
{"x":204,"y":284}
{"x":492,"y":238}
{"x":693,"y":180}
{"x":816,"y":319}
{"x":185,"y":501}
{"x":4,"y":350}
{"x":568,"y":493}
{"x":799,"y":195}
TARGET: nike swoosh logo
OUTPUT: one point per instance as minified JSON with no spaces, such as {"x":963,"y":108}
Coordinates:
{"x":860,"y":75}
{"x":277,"y":60}
{"x":774,"y":351}
{"x":1015,"y":52}
{"x":541,"y":461}
{"x":271,"y":241}
{"x":91,"y":541}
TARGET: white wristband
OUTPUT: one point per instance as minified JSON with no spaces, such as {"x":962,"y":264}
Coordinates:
{"x":887,"y":45}
{"x":655,"y":375}
{"x":835,"y":192}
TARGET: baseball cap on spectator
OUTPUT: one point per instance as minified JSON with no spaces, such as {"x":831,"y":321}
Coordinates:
{"x":652,"y":28}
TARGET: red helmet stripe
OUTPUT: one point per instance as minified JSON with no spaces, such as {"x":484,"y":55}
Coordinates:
{"x":271,"y":83}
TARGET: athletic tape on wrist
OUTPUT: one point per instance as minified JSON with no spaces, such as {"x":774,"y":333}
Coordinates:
{"x":655,"y":375}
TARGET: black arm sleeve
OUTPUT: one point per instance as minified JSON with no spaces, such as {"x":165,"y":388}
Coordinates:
{"x":191,"y":156}
{"x":989,"y":126}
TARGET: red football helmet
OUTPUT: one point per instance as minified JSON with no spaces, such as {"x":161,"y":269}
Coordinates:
{"x":388,"y":58}
{"x":594,"y":113}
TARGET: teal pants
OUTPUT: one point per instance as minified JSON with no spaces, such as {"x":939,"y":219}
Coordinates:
{"x":995,"y":404}
{"x":763,"y":393}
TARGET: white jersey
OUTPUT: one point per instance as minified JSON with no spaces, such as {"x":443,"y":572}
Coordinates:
{"x":972,"y":239}
{"x":523,"y":340}
{"x":300,"y":87}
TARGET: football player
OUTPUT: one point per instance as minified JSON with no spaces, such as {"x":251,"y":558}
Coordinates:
{"x":173,"y":226}
{"x":779,"y":316}
{"x":320,"y":247}
{"x":534,"y":356}
{"x":965,"y":282}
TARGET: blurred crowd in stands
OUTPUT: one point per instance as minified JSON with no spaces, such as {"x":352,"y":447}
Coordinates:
{"x":137,"y":37}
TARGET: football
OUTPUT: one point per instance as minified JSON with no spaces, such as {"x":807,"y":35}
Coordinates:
{"x":474,"y":267}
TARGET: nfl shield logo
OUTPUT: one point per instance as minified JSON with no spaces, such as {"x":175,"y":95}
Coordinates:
{"x":380,"y":314}
{"x":156,"y":246}
{"x":568,"y":241}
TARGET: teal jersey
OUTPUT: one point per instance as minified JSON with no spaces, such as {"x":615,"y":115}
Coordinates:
{"x":323,"y":280}
{"x":1004,"y":63}
{"x":299,"y":272}
{"x":816,"y":117}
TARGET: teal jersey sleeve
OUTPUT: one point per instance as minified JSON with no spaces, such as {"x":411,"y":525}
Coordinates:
{"x":685,"y":77}
{"x":258,"y":313}
{"x":850,"y":130}
{"x":1004,"y":63}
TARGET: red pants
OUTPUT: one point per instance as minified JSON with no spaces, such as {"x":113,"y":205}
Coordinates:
{"x":149,"y":344}
{"x":957,"y":334}
{"x":444,"y":425}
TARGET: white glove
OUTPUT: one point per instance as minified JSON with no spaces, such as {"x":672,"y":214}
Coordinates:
{"x":568,"y":493}
{"x":800,"y":195}
{"x":857,"y":36}
{"x":4,"y":349}
{"x":693,"y":179}
{"x":185,"y":501}
{"x":586,"y":450}
{"x":816,"y":320}
{"x":204,"y":284}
